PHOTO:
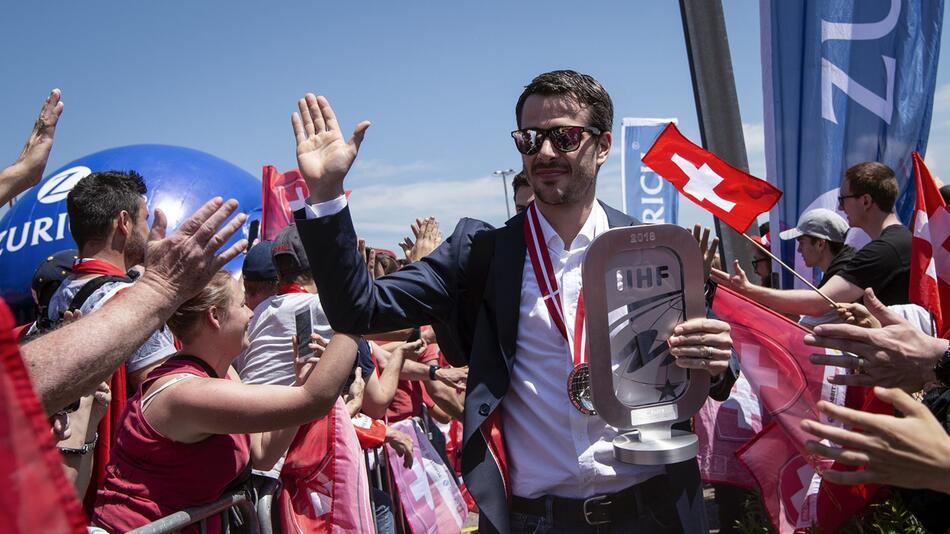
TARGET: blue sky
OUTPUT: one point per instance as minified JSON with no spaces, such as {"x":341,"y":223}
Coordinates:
{"x":438,"y":80}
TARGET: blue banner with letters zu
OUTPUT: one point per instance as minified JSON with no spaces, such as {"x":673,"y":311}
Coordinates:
{"x":646,"y":196}
{"x":844,"y":82}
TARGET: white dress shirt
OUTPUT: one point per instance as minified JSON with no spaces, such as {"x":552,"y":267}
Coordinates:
{"x":552,"y":448}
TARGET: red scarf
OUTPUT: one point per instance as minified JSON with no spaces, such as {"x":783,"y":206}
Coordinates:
{"x":93,"y":266}
{"x":291,"y":288}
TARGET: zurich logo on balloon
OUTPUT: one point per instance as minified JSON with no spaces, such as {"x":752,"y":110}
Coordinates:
{"x":57,"y":187}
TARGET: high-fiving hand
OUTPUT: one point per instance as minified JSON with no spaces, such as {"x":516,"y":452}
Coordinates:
{"x":323,"y":157}
{"x":28,"y":168}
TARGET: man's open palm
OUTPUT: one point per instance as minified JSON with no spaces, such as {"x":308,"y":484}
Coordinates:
{"x":323,"y":157}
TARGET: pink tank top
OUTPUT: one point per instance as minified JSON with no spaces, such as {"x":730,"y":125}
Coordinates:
{"x":150,"y":476}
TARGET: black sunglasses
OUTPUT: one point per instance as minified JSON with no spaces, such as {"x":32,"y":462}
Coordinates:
{"x":563,"y":138}
{"x":842,"y":197}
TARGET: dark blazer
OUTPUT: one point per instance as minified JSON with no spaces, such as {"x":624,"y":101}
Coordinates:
{"x":438,"y":290}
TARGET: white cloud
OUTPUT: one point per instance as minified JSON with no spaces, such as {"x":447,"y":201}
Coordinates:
{"x":754,"y":134}
{"x":374,"y":169}
{"x":382,"y":213}
{"x":939,"y":135}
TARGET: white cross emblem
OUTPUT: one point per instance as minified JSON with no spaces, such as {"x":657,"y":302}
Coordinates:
{"x":701,"y":183}
{"x":936,"y":231}
{"x":765,"y":376}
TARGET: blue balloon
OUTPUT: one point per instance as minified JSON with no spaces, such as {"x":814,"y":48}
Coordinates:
{"x":179,"y":181}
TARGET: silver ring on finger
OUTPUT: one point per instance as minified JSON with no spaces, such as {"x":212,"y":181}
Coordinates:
{"x":861,"y":370}
{"x":704,"y":351}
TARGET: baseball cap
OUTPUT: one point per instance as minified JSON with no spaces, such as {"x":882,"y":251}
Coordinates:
{"x":51,"y":273}
{"x":258,"y":266}
{"x":288,"y":243}
{"x":821,"y":223}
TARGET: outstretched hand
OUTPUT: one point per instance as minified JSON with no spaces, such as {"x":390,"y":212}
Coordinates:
{"x":701,"y":235}
{"x":909,"y":452}
{"x":738,"y":282}
{"x":323,"y":157}
{"x":182,"y":264}
{"x":896,"y":355}
{"x":28,"y":168}
{"x":856,"y":314}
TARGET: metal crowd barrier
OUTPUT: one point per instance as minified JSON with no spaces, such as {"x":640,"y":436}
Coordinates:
{"x":200,"y":514}
{"x":258,"y":516}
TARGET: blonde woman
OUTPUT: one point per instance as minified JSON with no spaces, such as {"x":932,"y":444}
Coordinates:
{"x":193,"y":429}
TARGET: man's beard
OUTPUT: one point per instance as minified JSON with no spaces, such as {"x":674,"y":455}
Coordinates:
{"x":134,"y":251}
{"x":574,"y":191}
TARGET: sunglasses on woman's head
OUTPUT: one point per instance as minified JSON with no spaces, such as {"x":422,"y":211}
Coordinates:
{"x":563,"y":138}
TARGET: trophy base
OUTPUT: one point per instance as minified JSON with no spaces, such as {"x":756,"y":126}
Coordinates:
{"x":679,"y":446}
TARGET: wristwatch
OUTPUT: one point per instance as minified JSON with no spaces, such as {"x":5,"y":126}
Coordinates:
{"x":85,"y":449}
{"x":942,"y":369}
{"x":432,"y":370}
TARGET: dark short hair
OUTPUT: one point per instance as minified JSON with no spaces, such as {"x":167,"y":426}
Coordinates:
{"x":833,"y":246}
{"x":261,"y":287}
{"x":583,"y":89}
{"x":520,"y":180}
{"x":98,"y":198}
{"x":874,"y":179}
{"x":289,"y":271}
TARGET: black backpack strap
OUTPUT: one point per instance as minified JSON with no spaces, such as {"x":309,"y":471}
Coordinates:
{"x":91,"y":286}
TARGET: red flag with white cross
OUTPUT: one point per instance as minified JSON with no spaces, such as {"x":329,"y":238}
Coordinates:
{"x":282,"y":194}
{"x":734,"y":196}
{"x":775,"y":361}
{"x":930,"y":257}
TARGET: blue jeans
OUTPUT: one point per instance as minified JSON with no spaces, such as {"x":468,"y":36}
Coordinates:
{"x":384,"y":512}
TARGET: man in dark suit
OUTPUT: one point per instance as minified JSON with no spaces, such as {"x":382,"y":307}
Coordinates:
{"x":505,"y":302}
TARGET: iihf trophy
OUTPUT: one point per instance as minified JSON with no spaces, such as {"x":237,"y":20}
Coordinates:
{"x":639,"y":283}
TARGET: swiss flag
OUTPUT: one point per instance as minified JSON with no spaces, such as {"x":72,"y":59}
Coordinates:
{"x":774,"y":359}
{"x":282,"y":195}
{"x":734,"y":196}
{"x":930,"y":265}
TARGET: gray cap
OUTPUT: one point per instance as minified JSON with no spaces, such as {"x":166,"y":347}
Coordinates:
{"x":288,"y":242}
{"x":821,"y":223}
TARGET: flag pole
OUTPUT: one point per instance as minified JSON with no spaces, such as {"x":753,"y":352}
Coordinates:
{"x":793,"y":271}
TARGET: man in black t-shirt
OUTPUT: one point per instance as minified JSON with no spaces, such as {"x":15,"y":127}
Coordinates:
{"x":867,"y":196}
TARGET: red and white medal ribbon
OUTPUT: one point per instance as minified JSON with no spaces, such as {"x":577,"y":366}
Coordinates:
{"x":550,"y":292}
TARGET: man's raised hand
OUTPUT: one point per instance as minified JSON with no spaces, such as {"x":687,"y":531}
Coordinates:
{"x":738,"y":282}
{"x":28,"y":168}
{"x":323,"y":157}
{"x":182,"y":264}
{"x":701,"y":235}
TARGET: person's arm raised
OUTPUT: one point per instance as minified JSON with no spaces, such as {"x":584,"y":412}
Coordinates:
{"x":196,"y":408}
{"x":28,"y":168}
{"x":795,"y":301}
{"x":378,"y":397}
{"x":323,"y":157}
{"x":176,"y":268}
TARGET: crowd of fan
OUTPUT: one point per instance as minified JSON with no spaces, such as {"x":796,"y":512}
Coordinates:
{"x":213,"y":384}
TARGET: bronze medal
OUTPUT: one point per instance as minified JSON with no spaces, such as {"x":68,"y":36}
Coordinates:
{"x":578,"y":389}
